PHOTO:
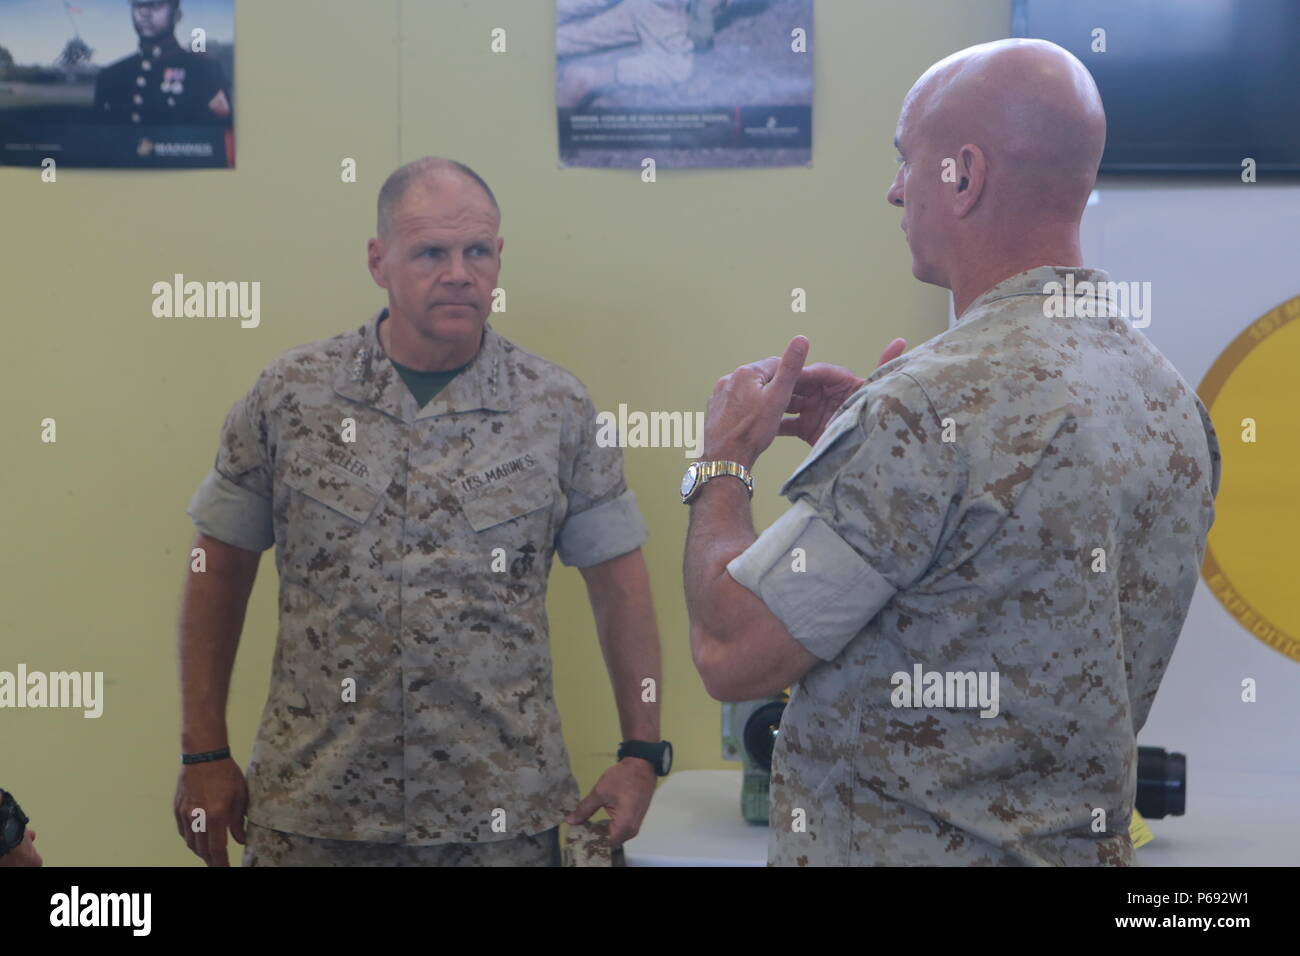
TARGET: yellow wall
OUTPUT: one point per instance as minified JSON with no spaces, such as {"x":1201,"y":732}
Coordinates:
{"x":647,"y":292}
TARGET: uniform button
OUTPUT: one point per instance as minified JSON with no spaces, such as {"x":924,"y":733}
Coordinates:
{"x":157,"y":51}
{"x":139,"y":81}
{"x":137,"y":99}
{"x":146,"y":65}
{"x":171,"y":101}
{"x":135,"y":117}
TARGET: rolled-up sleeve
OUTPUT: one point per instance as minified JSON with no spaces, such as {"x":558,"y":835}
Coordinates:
{"x":812,"y":580}
{"x":602,"y":532}
{"x":603,"y":520}
{"x":233,"y":503}
{"x":223,"y":510}
{"x":871,"y":510}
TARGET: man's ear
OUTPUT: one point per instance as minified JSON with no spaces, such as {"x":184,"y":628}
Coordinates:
{"x":374,"y":260}
{"x":970,"y":185}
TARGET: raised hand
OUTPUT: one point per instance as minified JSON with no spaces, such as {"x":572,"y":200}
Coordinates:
{"x":821,"y":390}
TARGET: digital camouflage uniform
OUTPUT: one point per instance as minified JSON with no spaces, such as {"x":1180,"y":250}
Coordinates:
{"x":413,"y":562}
{"x":974,"y":555}
{"x":273,"y":848}
{"x":587,"y":844}
{"x":661,"y":27}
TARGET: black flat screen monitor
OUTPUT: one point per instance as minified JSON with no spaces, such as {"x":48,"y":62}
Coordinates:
{"x":1189,"y":86}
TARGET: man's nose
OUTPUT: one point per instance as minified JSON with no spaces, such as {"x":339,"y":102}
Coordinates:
{"x":894,"y":196}
{"x":456,"y":271}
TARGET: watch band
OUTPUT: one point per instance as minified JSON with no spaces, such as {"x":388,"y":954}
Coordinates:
{"x":714,"y":469}
{"x":706,"y":471}
{"x":207,"y":755}
{"x":651,"y":752}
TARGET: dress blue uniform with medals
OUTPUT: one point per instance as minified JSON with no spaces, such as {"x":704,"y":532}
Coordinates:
{"x":163,"y":85}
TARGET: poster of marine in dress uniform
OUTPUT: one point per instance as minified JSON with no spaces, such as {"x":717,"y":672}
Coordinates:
{"x":117,"y":83}
{"x":723,"y":83}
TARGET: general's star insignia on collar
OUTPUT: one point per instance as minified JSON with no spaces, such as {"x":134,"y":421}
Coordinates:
{"x":359,"y":364}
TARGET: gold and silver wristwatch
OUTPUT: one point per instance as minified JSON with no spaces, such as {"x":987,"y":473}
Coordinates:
{"x":701,"y":472}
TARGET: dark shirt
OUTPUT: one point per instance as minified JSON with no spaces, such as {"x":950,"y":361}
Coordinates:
{"x":163,"y":84}
{"x":425,"y":385}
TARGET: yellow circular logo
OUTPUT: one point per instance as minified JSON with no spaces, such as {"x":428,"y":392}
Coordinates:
{"x":1252,"y":392}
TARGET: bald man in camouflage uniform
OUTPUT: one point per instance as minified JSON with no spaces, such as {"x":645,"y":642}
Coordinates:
{"x":414,"y":507}
{"x":1025,"y":496}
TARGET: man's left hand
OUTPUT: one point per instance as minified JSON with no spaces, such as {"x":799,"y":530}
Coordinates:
{"x":747,"y":406}
{"x":624,"y":790}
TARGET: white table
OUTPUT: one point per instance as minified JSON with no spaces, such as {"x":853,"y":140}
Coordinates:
{"x":1232,"y":819}
{"x":694,"y":820}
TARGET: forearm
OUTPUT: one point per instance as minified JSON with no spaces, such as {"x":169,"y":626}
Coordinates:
{"x":212,"y":617}
{"x":629,"y":641}
{"x":721,"y":527}
{"x":740,"y":647}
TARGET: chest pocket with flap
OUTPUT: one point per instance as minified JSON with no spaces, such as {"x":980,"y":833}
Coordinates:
{"x":486,"y":508}
{"x":326,"y":531}
{"x":513,"y":527}
{"x":351,"y":495}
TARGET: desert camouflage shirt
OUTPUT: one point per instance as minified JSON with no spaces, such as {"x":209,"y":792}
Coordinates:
{"x":411,"y":698}
{"x":1022,"y":496}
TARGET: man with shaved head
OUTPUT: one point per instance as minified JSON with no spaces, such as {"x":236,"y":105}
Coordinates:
{"x":415,"y":476}
{"x":994,"y":541}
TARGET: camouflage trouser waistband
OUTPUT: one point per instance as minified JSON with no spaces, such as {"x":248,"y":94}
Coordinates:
{"x":266,"y":847}
{"x":588,"y":844}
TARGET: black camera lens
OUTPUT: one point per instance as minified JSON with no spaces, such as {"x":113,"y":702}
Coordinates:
{"x":1161,"y":784}
{"x":760,"y":733}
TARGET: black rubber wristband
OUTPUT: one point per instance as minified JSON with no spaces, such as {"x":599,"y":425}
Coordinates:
{"x":221,"y":754}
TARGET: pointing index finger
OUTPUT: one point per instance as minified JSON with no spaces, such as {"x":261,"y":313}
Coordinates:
{"x":787,"y":373}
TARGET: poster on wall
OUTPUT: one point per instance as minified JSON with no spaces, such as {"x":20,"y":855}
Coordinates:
{"x":689,"y":83}
{"x":143,"y":84}
{"x":1251,"y":386}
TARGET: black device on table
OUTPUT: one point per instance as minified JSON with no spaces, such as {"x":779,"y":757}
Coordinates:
{"x":13,"y":823}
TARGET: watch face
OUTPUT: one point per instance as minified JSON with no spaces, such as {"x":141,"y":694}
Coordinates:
{"x":667,"y":759}
{"x":689,"y":479}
